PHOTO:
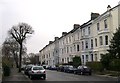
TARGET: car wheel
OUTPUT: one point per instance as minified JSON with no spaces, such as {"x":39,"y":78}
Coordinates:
{"x":31,"y":77}
{"x":28,"y":76}
{"x":81,"y":73}
{"x":90,"y":73}
{"x":44,"y":77}
{"x":74,"y":72}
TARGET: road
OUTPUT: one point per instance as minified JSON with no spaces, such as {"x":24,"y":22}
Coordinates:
{"x":61,"y":76}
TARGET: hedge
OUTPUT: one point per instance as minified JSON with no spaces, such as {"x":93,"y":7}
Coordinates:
{"x":96,"y":66}
{"x":115,"y":65}
{"x":6,"y":70}
{"x":6,"y":65}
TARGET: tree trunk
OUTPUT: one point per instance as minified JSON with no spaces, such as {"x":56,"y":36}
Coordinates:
{"x":16,"y":59}
{"x":20,"y":55}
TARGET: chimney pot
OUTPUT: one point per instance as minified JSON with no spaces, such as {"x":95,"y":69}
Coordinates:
{"x":108,"y":7}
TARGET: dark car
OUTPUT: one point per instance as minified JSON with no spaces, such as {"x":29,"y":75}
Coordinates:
{"x":69,"y":69}
{"x":61,"y":68}
{"x":83,"y":70}
{"x":23,"y":67}
{"x":27,"y":69}
{"x":52,"y":68}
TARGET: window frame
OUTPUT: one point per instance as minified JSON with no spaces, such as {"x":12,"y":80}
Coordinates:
{"x":82,"y":45}
{"x":78,"y":47}
{"x":101,"y":40}
{"x":98,"y":26}
{"x":91,"y":43}
{"x":86,"y":44}
{"x":106,"y":39}
{"x":105,"y":24}
{"x":96,"y":42}
{"x":89,"y":31}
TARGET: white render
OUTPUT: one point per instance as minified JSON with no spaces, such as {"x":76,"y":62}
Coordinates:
{"x":91,"y":40}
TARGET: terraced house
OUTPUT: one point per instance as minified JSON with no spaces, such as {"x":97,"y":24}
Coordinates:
{"x":89,"y":40}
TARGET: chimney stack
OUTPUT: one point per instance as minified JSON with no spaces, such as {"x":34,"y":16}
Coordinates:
{"x":76,"y":26}
{"x":94,"y":15}
{"x":50,"y":42}
{"x":64,"y":33}
{"x":56,"y":38}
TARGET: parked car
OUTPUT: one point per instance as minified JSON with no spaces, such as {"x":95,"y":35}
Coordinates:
{"x":69,"y":69}
{"x":83,"y":70}
{"x":61,"y":68}
{"x":37,"y":71}
{"x":23,"y":67}
{"x":52,"y":68}
{"x":45,"y":66}
{"x":27,"y":68}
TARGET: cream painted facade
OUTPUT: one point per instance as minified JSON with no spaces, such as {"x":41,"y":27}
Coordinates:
{"x":47,"y":55}
{"x":89,"y":41}
{"x":69,"y":45}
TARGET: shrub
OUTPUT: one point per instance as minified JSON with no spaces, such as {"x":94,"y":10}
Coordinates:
{"x":76,"y":61}
{"x":6,"y":70}
{"x":105,"y":60}
{"x":115,"y":65}
{"x":6,"y":64}
{"x":96,"y":66}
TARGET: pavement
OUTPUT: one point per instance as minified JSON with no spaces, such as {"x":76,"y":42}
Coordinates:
{"x":16,"y":76}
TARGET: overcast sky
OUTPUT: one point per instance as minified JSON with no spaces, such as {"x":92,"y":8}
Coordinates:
{"x":49,"y":18}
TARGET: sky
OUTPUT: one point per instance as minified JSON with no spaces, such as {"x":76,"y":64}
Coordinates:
{"x":48,"y":18}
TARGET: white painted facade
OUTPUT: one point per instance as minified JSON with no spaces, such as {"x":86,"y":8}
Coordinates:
{"x":89,"y":41}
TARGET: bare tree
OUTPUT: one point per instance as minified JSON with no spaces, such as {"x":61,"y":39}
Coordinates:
{"x":20,"y":33}
{"x":34,"y":59}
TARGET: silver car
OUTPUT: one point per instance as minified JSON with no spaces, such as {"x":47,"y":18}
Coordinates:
{"x":37,"y":71}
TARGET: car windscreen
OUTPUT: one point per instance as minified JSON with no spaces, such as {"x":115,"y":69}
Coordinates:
{"x":38,"y":68}
{"x":85,"y":67}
